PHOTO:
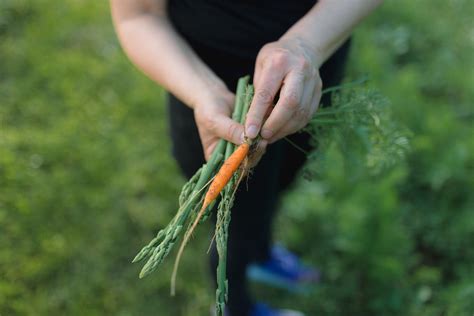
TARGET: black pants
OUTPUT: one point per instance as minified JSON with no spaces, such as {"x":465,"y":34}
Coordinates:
{"x":250,"y":231}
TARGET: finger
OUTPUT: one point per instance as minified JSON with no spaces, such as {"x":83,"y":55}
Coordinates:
{"x":290,"y":128}
{"x":261,"y":59}
{"x":209,"y":148}
{"x":230,"y":130}
{"x":257,"y":71}
{"x":270,"y":79}
{"x":300,"y":116}
{"x":290,"y":100}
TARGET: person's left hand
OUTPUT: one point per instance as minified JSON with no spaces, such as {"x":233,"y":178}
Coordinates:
{"x":290,"y":67}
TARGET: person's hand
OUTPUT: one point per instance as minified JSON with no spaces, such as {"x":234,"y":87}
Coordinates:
{"x":212,"y":112}
{"x":290,"y":68}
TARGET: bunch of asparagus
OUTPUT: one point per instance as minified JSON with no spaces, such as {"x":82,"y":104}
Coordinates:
{"x":194,"y":208}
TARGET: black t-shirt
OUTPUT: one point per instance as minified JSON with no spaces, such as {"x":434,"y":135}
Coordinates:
{"x":239,"y":27}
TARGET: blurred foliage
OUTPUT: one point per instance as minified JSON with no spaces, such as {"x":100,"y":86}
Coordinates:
{"x":86,"y":176}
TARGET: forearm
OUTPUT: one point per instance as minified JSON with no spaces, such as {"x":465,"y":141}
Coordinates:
{"x":329,"y":23}
{"x":153,"y":45}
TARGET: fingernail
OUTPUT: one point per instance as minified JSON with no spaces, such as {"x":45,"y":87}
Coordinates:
{"x":266,"y":133}
{"x":252,"y":131}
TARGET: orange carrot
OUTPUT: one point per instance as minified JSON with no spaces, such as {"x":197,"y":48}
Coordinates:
{"x":222,"y":177}
{"x":225,"y":173}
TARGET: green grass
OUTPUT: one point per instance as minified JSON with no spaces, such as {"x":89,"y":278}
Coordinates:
{"x":87,"y":178}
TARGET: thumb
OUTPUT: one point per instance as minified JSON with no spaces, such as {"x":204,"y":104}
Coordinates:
{"x":229,"y":129}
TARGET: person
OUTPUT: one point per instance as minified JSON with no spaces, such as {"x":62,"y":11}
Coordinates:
{"x":197,"y":50}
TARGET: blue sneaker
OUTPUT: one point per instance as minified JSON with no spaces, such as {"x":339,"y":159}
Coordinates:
{"x":284,"y":270}
{"x":264,"y":310}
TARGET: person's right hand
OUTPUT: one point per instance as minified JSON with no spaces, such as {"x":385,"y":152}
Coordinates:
{"x":212,"y":112}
